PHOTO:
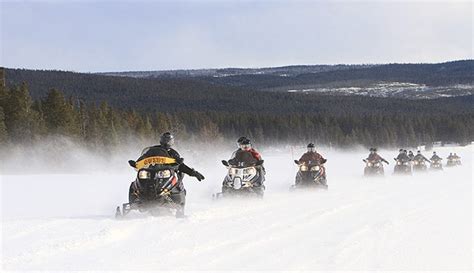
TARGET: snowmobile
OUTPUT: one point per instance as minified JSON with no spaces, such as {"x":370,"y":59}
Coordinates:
{"x":419,"y":165}
{"x":436,"y":165}
{"x":402,"y":167}
{"x":155,"y":190}
{"x":310,"y":176}
{"x":245,"y":176}
{"x":373,"y":168}
{"x":452,"y":162}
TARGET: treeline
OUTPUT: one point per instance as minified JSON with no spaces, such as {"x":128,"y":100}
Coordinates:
{"x":26,"y":120}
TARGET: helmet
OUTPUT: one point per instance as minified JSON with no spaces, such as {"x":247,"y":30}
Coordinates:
{"x":400,"y":151}
{"x":242,"y":138}
{"x":418,"y":152}
{"x":167,"y":139}
{"x":434,"y":153}
{"x":311,"y":147}
{"x":245,"y":144}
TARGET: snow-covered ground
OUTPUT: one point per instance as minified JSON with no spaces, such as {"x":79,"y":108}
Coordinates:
{"x":424,"y":222}
{"x":396,"y":90}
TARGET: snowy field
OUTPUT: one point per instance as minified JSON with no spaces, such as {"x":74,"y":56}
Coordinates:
{"x":421,"y":223}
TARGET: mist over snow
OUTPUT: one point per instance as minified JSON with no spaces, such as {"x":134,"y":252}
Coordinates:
{"x":58,"y":214}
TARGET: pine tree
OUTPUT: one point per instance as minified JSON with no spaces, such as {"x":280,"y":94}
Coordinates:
{"x":3,"y":128}
{"x":22,"y":121}
{"x":59,"y":115}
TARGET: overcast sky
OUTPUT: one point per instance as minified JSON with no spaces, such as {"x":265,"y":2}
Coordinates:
{"x":92,"y":36}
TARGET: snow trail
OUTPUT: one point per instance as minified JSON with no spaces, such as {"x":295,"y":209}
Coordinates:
{"x":423,"y":222}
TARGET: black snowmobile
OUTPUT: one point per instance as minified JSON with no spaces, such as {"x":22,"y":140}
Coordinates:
{"x":436,"y":165}
{"x":156,"y":188}
{"x":402,"y":167}
{"x":245,"y":176}
{"x":373,"y":168}
{"x":310,"y":175}
{"x":419,"y":165}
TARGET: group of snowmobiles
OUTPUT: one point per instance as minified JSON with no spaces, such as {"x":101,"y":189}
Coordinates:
{"x":158,"y":188}
{"x":406,"y":163}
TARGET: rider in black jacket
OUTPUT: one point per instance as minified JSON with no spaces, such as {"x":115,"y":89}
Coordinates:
{"x":179,"y":195}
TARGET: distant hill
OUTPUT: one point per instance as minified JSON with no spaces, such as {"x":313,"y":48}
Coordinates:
{"x":411,"y":81}
{"x":175,"y":94}
{"x":250,"y":92}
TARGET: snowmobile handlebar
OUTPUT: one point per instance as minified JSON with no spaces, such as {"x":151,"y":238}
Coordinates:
{"x":228,"y":164}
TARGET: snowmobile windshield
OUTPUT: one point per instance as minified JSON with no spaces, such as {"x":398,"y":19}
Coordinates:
{"x":155,"y":157}
{"x":243,"y":159}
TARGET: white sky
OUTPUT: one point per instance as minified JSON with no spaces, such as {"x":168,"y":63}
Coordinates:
{"x":91,"y":36}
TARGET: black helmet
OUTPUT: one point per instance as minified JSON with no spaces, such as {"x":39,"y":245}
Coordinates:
{"x":400,"y":151}
{"x":167,"y":139}
{"x":245,"y":141}
{"x":418,"y":152}
{"x":311,"y":145}
{"x":242,"y":138}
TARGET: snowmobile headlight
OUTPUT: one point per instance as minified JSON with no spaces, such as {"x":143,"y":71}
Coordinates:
{"x":304,"y":168}
{"x":249,"y":173}
{"x":315,"y":168}
{"x":163,"y":174}
{"x":369,"y":164}
{"x":416,"y":163}
{"x":144,"y":174}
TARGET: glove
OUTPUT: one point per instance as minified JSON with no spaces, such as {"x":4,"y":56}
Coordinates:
{"x":198,"y":175}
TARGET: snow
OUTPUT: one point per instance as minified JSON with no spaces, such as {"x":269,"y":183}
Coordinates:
{"x":420,"y":223}
{"x":396,"y":89}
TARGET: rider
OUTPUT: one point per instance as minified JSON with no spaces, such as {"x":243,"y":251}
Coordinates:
{"x":457,"y":158}
{"x":402,"y":156}
{"x":411,"y":155}
{"x":179,"y":194}
{"x":420,"y":157}
{"x":450,"y":156}
{"x":435,"y":157}
{"x":373,"y":156}
{"x":311,"y":156}
{"x":244,"y":144}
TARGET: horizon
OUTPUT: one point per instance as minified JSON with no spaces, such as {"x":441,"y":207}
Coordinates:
{"x":234,"y":67}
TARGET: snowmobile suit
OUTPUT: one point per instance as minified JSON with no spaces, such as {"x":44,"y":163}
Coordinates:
{"x":312,"y":157}
{"x":420,"y":157}
{"x":435,"y":157}
{"x":403,"y":157}
{"x":376,"y":157}
{"x":254,"y":153}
